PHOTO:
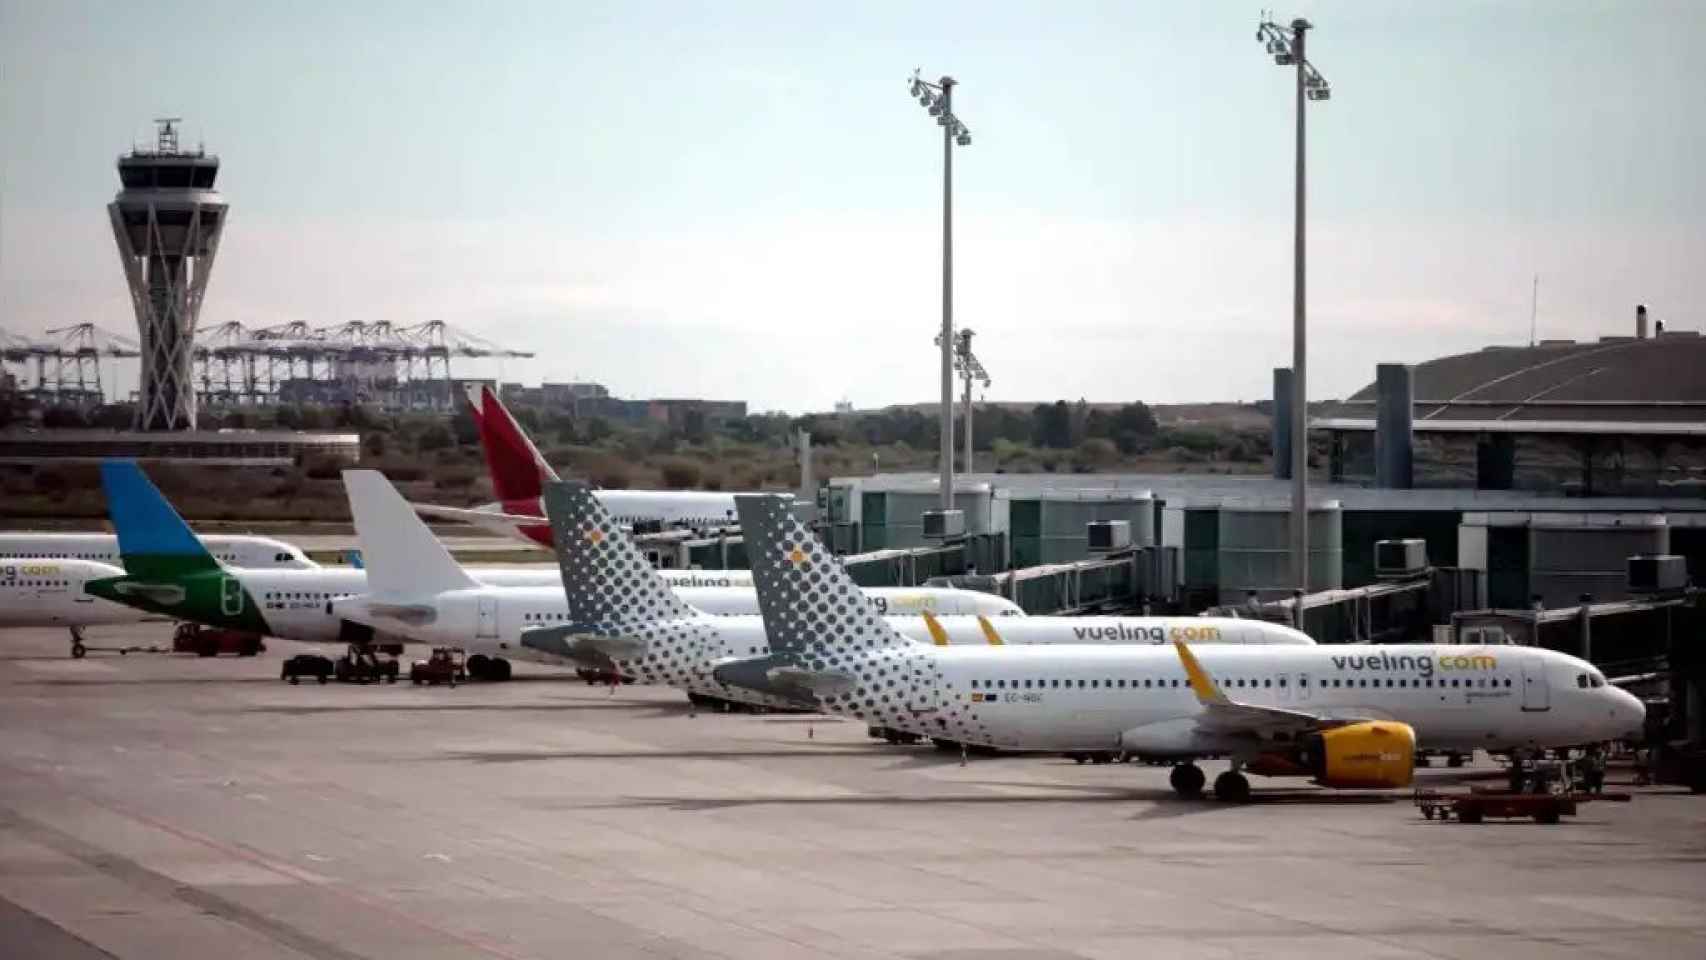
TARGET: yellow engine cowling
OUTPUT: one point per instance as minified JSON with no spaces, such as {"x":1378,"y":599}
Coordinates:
{"x":1374,"y":754}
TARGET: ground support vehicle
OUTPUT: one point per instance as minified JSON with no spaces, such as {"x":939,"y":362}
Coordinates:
{"x":307,"y":665}
{"x":1477,"y":805}
{"x":213,"y":641}
{"x":361,"y":664}
{"x":443,"y":666}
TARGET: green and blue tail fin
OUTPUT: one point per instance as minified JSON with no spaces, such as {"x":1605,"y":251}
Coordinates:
{"x":153,"y":541}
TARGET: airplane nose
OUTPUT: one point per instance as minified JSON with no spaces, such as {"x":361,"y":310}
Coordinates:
{"x":1630,"y":712}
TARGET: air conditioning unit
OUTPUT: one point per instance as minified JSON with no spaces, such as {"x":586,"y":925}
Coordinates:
{"x":1400,"y":559}
{"x":1657,"y":573}
{"x":944,"y":524}
{"x":1109,"y":536}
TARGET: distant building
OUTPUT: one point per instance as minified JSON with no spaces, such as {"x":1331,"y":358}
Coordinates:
{"x":1623,"y":415}
{"x":677,"y":412}
{"x":560,"y":396}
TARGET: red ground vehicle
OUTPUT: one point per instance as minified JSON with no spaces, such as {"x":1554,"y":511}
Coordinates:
{"x":213,"y":641}
{"x":443,"y":666}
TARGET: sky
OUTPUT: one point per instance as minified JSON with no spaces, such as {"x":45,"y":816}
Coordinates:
{"x":740,"y":201}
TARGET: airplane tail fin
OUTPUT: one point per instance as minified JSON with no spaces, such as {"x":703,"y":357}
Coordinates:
{"x":609,"y":584}
{"x":810,"y":604}
{"x":153,"y":541}
{"x":519,"y":473}
{"x":399,"y":551}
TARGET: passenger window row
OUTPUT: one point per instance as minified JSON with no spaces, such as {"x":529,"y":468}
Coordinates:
{"x":1263,"y":683}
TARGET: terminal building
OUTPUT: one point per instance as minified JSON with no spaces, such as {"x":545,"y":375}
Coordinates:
{"x":1618,"y":416}
{"x":1531,"y":473}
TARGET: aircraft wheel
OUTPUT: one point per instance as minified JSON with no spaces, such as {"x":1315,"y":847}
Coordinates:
{"x":1187,"y":780}
{"x":1231,"y":787}
{"x":476,"y":666}
{"x":500,"y":669}
{"x":78,"y":651}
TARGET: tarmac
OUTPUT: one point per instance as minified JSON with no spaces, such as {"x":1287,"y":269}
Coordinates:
{"x":165,"y":806}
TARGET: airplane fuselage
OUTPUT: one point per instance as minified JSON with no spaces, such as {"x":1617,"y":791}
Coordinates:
{"x":50,"y":593}
{"x":236,"y":550}
{"x":1137,"y":697}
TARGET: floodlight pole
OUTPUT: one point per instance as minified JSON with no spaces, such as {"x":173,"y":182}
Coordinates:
{"x":938,"y":97}
{"x":1299,"y":346}
{"x":947,"y":451}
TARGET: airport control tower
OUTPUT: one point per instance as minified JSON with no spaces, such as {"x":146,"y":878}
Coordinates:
{"x":167,"y":222}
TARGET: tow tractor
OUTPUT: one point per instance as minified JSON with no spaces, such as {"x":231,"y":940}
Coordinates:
{"x":443,"y":666}
{"x":361,"y":664}
{"x":213,"y":641}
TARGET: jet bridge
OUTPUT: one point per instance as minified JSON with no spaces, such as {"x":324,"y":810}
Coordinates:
{"x":1133,"y":580}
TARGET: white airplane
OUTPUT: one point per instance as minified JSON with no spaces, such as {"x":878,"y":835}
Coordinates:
{"x":615,"y":604}
{"x":181,"y":578}
{"x":1349,"y":717}
{"x":169,"y":573}
{"x":50,"y":593}
{"x":415,"y":587}
{"x":232,"y":550}
{"x":519,"y":473}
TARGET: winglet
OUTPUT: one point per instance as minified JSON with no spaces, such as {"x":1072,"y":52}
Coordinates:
{"x":1206,"y":689}
{"x":145,"y":522}
{"x":938,"y":636}
{"x":989,"y":631}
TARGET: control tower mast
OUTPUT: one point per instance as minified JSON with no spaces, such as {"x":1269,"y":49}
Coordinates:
{"x":167,"y":220}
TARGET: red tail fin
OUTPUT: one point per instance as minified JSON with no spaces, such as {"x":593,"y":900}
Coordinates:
{"x":519,"y":473}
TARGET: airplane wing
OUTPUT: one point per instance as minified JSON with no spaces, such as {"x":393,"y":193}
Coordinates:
{"x":1222,"y":715}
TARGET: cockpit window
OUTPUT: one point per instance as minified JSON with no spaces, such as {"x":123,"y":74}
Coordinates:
{"x":1582,"y":680}
{"x":1596,"y":680}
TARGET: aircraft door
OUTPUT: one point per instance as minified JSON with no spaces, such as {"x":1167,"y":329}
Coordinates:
{"x":230,"y":596}
{"x":1536,"y":691}
{"x":488,"y":623}
{"x":1282,"y":687}
{"x":1302,"y":682}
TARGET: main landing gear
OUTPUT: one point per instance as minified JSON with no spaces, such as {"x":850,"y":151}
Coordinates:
{"x":1187,"y":780}
{"x":78,"y":649}
{"x":491,"y":669}
{"x":1230,"y":787}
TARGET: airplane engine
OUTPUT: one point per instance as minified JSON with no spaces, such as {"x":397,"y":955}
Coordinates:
{"x":1374,"y":754}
